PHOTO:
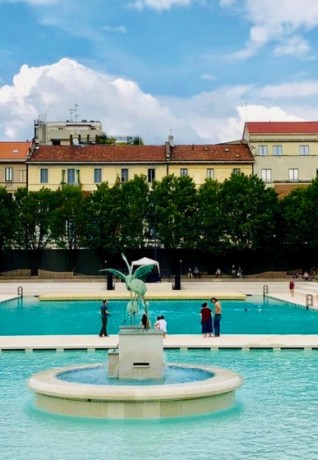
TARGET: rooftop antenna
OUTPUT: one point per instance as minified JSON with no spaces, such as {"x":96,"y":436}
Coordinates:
{"x":73,"y":113}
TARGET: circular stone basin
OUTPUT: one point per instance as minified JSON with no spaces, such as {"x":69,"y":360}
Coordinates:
{"x":120,"y":400}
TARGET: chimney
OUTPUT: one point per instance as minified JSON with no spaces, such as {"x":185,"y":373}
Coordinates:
{"x":171,"y":140}
{"x":168,"y":150}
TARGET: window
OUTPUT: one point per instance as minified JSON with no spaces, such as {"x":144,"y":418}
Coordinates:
{"x":236,"y":170}
{"x":262,"y":150}
{"x":8,"y":174}
{"x":210,"y":173}
{"x":293,"y":174}
{"x":183,"y":171}
{"x":304,"y":150}
{"x":44,"y":175}
{"x":71,"y":176}
{"x":277,"y":150}
{"x":124,"y":175}
{"x":151,"y":174}
{"x":97,"y":175}
{"x":266,"y":175}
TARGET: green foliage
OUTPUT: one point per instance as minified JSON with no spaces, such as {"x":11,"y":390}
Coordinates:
{"x":210,"y":218}
{"x":67,"y":218}
{"x":239,"y":214}
{"x":300,"y":217}
{"x":249,"y":212}
{"x":33,"y":218}
{"x":7,"y":218}
{"x":103,"y":213}
{"x":174,"y":203}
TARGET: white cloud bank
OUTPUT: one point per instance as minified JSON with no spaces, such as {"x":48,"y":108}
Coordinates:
{"x":281,"y":23}
{"x":124,"y":109}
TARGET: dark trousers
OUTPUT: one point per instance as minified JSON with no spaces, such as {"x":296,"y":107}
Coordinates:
{"x":217,"y":320}
{"x":103,"y":330}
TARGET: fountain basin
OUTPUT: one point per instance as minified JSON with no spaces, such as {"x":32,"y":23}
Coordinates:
{"x":134,"y":401}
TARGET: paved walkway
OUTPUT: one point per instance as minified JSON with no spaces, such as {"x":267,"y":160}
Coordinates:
{"x":200,"y":289}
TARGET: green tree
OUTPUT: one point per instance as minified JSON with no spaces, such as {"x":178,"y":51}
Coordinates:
{"x":310,"y":216}
{"x":103,"y":213}
{"x":210,"y":218}
{"x":174,"y":208}
{"x":249,"y":213}
{"x":68,"y":221}
{"x":7,"y":218}
{"x":294,"y":209}
{"x":32,"y":229}
{"x":135,"y":194}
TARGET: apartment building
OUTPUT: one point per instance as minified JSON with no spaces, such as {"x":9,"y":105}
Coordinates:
{"x":88,"y":165}
{"x":13,"y":169}
{"x":66,"y":132}
{"x":285,"y":153}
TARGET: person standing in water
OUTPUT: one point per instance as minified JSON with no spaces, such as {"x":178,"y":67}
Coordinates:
{"x":217,"y":316}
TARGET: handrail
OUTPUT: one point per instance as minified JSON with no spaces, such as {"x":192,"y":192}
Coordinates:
{"x":309,"y":301}
{"x":20,"y":291}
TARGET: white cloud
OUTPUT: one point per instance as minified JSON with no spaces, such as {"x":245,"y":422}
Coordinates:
{"x":210,"y":117}
{"x":294,"y":46}
{"x":207,"y":76}
{"x":159,"y":4}
{"x":54,"y":89}
{"x":253,"y":112}
{"x":280,"y":23}
{"x":116,"y":29}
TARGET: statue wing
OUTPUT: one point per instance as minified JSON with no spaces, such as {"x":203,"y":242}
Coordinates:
{"x":114,"y":272}
{"x":143,"y":270}
{"x":127,"y":263}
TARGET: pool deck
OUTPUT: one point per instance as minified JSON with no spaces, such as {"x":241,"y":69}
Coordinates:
{"x":237,"y":289}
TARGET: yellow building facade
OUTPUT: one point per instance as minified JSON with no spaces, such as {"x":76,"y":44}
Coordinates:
{"x":13,"y":169}
{"x":285,"y":153}
{"x":51,"y":166}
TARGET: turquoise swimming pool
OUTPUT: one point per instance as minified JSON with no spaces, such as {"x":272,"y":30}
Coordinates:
{"x":29,"y":316}
{"x":275,"y":416}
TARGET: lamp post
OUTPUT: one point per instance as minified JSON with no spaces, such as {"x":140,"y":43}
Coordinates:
{"x":180,"y":261}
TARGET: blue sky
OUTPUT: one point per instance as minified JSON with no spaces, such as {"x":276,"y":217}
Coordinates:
{"x":196,"y":68}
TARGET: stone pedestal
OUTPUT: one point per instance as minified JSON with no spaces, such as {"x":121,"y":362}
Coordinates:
{"x":139,"y":355}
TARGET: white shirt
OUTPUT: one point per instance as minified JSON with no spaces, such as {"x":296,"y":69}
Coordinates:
{"x":162,"y":325}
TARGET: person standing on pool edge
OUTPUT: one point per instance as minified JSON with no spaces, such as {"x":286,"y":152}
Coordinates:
{"x":292,"y":287}
{"x":217,"y":316}
{"x":206,"y":320}
{"x":104,"y":313}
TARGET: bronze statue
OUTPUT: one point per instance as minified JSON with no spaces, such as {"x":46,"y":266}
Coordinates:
{"x":134,"y":284}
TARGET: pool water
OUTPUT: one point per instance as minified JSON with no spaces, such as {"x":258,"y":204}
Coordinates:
{"x":30,"y":316}
{"x":275,"y":416}
{"x":98,"y":375}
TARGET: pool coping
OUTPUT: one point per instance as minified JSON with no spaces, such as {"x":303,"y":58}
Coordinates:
{"x":182,"y":342}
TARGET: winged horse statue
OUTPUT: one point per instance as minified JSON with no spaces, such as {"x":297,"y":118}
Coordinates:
{"x":134,"y":285}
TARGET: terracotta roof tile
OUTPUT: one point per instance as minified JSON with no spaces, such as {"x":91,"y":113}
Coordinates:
{"x":141,"y":153}
{"x":213,"y":153}
{"x":14,"y":151}
{"x":282,"y":127}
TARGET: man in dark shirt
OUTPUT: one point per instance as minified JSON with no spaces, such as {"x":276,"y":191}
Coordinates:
{"x":104,"y":316}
